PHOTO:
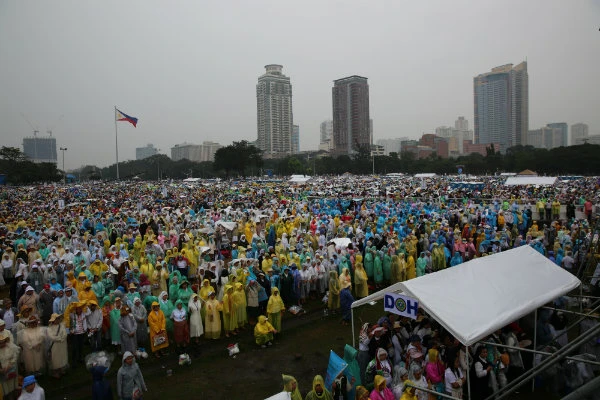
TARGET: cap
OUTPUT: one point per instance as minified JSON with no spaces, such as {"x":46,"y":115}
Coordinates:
{"x":29,"y":380}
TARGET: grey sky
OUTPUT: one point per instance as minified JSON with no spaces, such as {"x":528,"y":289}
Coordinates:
{"x":188,"y":69}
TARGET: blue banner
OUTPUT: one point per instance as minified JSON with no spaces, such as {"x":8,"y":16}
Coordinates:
{"x":336,"y":366}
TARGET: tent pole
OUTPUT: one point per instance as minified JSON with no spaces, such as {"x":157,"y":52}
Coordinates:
{"x":468,"y":369}
{"x":585,"y":390}
{"x":581,"y":294}
{"x":541,"y":352}
{"x":352,"y":322}
{"x":534,"y":345}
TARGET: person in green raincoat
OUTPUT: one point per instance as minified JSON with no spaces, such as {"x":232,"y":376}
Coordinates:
{"x":421,"y":264}
{"x":387,"y":267}
{"x":352,"y":371}
{"x":184,"y":293}
{"x":132,"y":294}
{"x":167,"y":308}
{"x":174,"y":286}
{"x":98,"y":287}
{"x":368,"y":262}
{"x":115,"y":316}
{"x":378,"y":269}
{"x":107,"y":282}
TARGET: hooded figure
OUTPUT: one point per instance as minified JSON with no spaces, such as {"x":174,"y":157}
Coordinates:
{"x":128,"y":328}
{"x":158,"y":329}
{"x":9,"y":355}
{"x":275,"y":308}
{"x":352,"y":371}
{"x":380,"y":390}
{"x":263,"y":332}
{"x":333,"y":300}
{"x":318,"y":390}
{"x":139,"y":313}
{"x":290,"y":385}
{"x":212,"y":319}
{"x":194,"y":308}
{"x":129,"y":378}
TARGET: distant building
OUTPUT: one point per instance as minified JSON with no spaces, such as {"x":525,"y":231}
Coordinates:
{"x":391,"y":145}
{"x":591,"y":139}
{"x":144,"y":152}
{"x":274,"y":113}
{"x":546,"y":137}
{"x":461,"y":124}
{"x":501,"y":106}
{"x":455,"y":136}
{"x":40,"y":149}
{"x":480,"y":148}
{"x":195,"y":152}
{"x":563,"y":139}
{"x":295,"y":139}
{"x":377,"y":150}
{"x":579,"y":131}
{"x":427,"y":145}
{"x":326,"y":131}
{"x":351,"y":121}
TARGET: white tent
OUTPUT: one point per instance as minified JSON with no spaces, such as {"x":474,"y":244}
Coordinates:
{"x":530,"y":180}
{"x":300,"y":178}
{"x":476,"y":298}
{"x":227,"y":225}
{"x":425,"y":175}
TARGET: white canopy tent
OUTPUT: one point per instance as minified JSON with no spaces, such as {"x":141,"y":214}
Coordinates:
{"x":530,"y":180}
{"x":474,"y":299}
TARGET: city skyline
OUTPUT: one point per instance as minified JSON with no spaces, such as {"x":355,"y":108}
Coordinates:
{"x":203,"y":88}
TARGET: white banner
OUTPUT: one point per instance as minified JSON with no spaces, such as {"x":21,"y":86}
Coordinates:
{"x":401,"y":305}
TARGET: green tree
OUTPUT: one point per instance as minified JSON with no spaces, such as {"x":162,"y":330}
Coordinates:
{"x":237,"y":157}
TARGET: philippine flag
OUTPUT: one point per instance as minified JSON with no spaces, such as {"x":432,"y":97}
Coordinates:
{"x":121,"y":116}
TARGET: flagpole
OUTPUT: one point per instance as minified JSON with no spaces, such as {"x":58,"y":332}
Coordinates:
{"x":116,"y":143}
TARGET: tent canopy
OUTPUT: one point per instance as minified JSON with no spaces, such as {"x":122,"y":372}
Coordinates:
{"x":474,"y":299}
{"x":530,"y":180}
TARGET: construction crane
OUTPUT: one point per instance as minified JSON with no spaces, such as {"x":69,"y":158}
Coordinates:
{"x":49,"y":129}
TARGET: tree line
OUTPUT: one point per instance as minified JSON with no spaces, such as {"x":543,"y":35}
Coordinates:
{"x":242,"y":159}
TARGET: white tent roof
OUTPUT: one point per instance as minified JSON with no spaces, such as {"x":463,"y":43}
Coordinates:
{"x":425,"y":175}
{"x":300,"y":178}
{"x":476,"y":298}
{"x":530,"y":180}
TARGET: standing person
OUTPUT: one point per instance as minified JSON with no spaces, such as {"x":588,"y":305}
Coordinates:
{"x":130,"y":381}
{"x":78,"y":330}
{"x":46,"y":304}
{"x":94,"y":325}
{"x":158,"y":330}
{"x":286,"y":282}
{"x":31,"y":340}
{"x":128,"y":329}
{"x":454,"y":376}
{"x":480,"y":371}
{"x":9,"y":356}
{"x":346,"y":301}
{"x":141,"y":317}
{"x":194,"y":309}
{"x":115,"y":316}
{"x":212,"y":319}
{"x":380,"y":390}
{"x":434,"y":371}
{"x":101,"y":389}
{"x":333,"y":300}
{"x":240,"y":303}
{"x":275,"y":308}
{"x":58,"y":352}
{"x":31,"y":390}
{"x":181,"y":330}
{"x":229,"y":317}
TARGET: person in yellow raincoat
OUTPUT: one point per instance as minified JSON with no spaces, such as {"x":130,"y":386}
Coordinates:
{"x":318,"y":390}
{"x":263,"y":332}
{"x":158,"y":329}
{"x":240,"y":302}
{"x":87,"y":293}
{"x":212,"y":320}
{"x":229,"y":315}
{"x":205,"y":289}
{"x":275,"y":308}
{"x":361,"y":287}
{"x":333,"y":300}
{"x":81,"y":281}
{"x":411,"y":269}
{"x":98,"y":267}
{"x":290,"y":385}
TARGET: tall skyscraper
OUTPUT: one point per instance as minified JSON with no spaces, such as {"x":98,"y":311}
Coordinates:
{"x":351,"y":122}
{"x":295,"y":139}
{"x":563,"y":136}
{"x":40,"y":149}
{"x":501,"y":105}
{"x":274,"y":112}
{"x":579,"y":131}
{"x":461,"y":124}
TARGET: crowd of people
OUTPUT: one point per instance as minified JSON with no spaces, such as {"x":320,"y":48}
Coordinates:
{"x":141,"y":268}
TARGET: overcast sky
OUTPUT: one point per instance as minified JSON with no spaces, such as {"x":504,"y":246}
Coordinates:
{"x":188,"y":69}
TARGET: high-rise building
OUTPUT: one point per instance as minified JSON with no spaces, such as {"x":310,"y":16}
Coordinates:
{"x":274,"y":112}
{"x":501,"y":106}
{"x":546,"y":137}
{"x":391,"y":145}
{"x":144,"y":152}
{"x":326,"y":131}
{"x":351,"y":122}
{"x":40,"y":149}
{"x":295,"y":139}
{"x":461,"y":124}
{"x":579,"y":131}
{"x":563,"y":139}
{"x":195,"y":152}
